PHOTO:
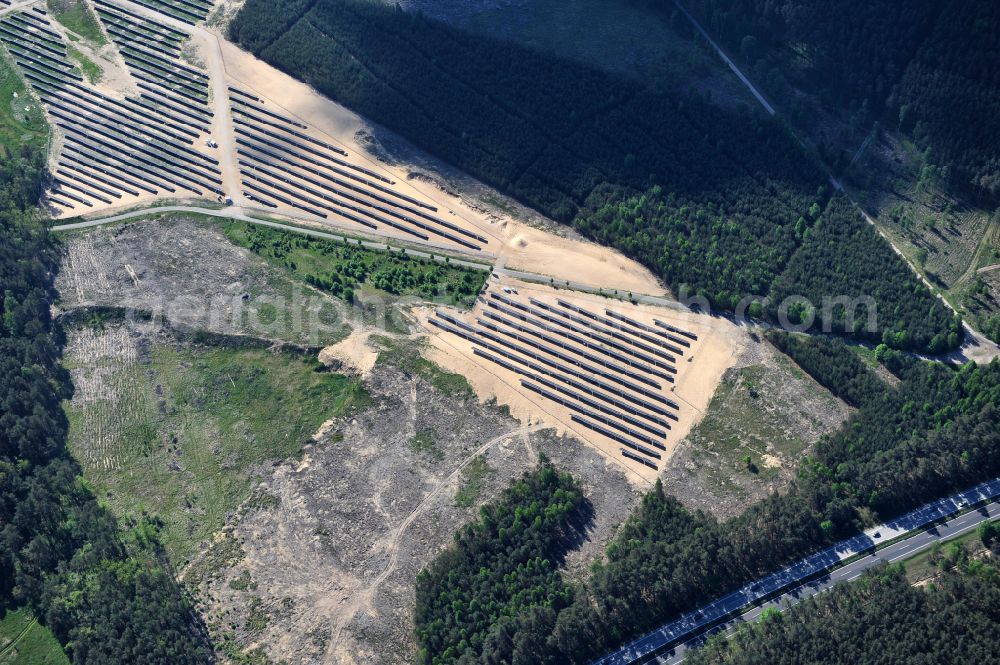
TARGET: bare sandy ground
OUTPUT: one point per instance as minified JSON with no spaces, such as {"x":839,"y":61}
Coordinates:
{"x":698,"y":372}
{"x":355,"y":352}
{"x":322,"y":570}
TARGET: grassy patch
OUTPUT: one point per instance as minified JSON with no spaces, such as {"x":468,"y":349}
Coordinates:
{"x":22,"y":122}
{"x":761,"y":420}
{"x":23,"y":641}
{"x":425,"y":442}
{"x":473,"y":476}
{"x":261,"y":500}
{"x":979,"y":293}
{"x":500,"y":204}
{"x":406,"y":356}
{"x":90,"y":68}
{"x":243,"y":582}
{"x":223,"y":554}
{"x":76,"y":16}
{"x":183,"y":434}
{"x":942,"y":556}
{"x":944,"y":237}
{"x":341,"y":269}
{"x":733,"y":429}
{"x":866,"y":355}
{"x":258,"y":617}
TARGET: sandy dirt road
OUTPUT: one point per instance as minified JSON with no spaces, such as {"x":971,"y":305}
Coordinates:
{"x":222,"y":122}
{"x":978,"y":348}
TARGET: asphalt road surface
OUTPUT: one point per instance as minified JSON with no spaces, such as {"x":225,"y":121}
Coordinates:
{"x":896,"y":552}
{"x":814,"y":574}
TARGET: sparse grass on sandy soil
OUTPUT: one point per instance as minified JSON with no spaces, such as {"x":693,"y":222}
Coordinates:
{"x":472,"y":482}
{"x":405,"y":355}
{"x":23,"y":641}
{"x":22,"y":122}
{"x":764,"y":416}
{"x":181,"y":431}
{"x":77,"y":17}
{"x":946,"y":238}
{"x":90,"y":68}
{"x":319,"y":566}
{"x":425,"y":442}
{"x":942,"y":556}
{"x":867,"y":356}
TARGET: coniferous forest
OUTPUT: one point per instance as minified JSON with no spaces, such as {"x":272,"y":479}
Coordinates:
{"x":720,"y":203}
{"x":108,"y":596}
{"x":953,"y":620}
{"x":936,"y":432}
{"x":502,"y":570}
{"x":928,"y":68}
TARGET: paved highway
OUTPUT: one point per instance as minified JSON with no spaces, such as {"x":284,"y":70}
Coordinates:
{"x":891,"y":554}
{"x":815,"y":573}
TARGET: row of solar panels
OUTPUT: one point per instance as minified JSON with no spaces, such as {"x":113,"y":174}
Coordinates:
{"x":111,"y":147}
{"x":624,"y":417}
{"x":601,"y":357}
{"x":152,"y":53}
{"x":571,"y":354}
{"x":579,"y":392}
{"x":607,"y":346}
{"x":280,"y":163}
{"x":578,"y":403}
{"x":595,"y":385}
{"x":161,"y":28}
{"x":188,"y":11}
{"x":655,"y":366}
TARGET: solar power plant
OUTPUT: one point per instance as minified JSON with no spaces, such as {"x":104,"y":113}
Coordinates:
{"x":189,"y":11}
{"x":282,"y":162}
{"x":612,"y":373}
{"x":152,"y":135}
{"x":115,"y":150}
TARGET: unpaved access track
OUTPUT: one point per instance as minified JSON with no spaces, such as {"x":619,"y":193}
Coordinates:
{"x":364,"y":599}
{"x":978,"y":348}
